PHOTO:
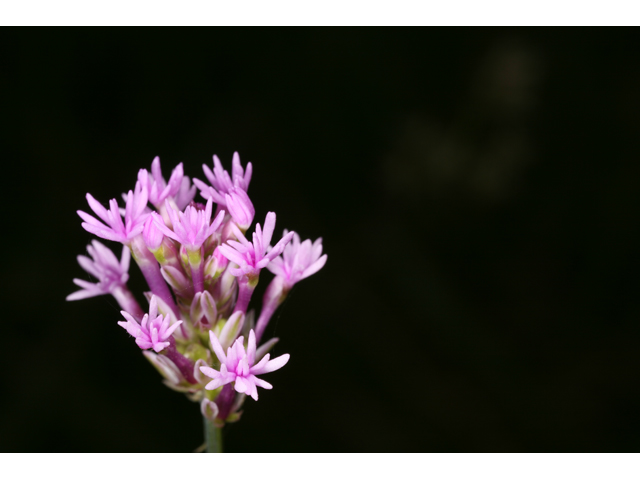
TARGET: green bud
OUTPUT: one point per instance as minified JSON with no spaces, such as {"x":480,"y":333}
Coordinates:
{"x":195,"y":352}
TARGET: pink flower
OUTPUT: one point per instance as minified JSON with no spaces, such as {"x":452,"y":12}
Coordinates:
{"x":239,"y":366}
{"x":151,"y":233}
{"x":240,"y":207}
{"x":185,"y":194}
{"x":115,"y":229}
{"x":159,"y":190}
{"x":153,"y":331}
{"x":110,"y":272}
{"x":298,"y":261}
{"x":192,"y":227}
{"x":221,"y":180}
{"x":252,"y":257}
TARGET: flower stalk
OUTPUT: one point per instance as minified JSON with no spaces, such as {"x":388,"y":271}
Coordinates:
{"x":212,"y":436}
{"x":151,"y":271}
{"x":127,"y":301}
{"x":246,"y":286}
{"x":197,"y":268}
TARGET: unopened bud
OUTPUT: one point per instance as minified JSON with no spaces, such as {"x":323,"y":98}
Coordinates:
{"x":177,"y":280}
{"x":203,"y":310}
{"x":231,"y":329}
{"x":209,"y":409}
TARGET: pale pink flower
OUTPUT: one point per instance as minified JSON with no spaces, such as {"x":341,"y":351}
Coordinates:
{"x":159,"y":190}
{"x":298,"y":261}
{"x":186,"y":193}
{"x":240,"y":208}
{"x":252,"y":257}
{"x":105,"y":267}
{"x":192,"y":227}
{"x":154,"y":331}
{"x":238,"y":366}
{"x":222,"y":182}
{"x":115,"y":229}
{"x":151,"y":234}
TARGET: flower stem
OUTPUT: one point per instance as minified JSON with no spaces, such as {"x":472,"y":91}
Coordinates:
{"x":197,"y":269}
{"x":212,"y":436}
{"x":127,"y":302}
{"x":246,"y":286}
{"x":151,"y":272}
{"x":273,"y":298}
{"x":265,"y":315}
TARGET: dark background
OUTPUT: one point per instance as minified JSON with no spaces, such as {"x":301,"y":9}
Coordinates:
{"x":478,"y":195}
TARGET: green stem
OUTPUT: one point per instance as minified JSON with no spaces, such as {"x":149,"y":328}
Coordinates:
{"x":212,"y":436}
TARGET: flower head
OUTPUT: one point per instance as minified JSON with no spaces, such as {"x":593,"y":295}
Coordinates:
{"x":252,"y":257}
{"x":115,"y":229}
{"x":201,"y":270}
{"x":222,"y":182}
{"x":192,"y":227}
{"x":153,"y":331}
{"x":298,"y":261}
{"x":239,"y":366}
{"x":104,"y":266}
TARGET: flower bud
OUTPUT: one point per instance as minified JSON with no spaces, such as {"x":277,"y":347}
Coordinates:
{"x":172,"y":376}
{"x":224,"y":288}
{"x":203,"y":310}
{"x":177,"y":280}
{"x":197,"y":374}
{"x":231,"y":329}
{"x":215,"y":266}
{"x":209,"y":409}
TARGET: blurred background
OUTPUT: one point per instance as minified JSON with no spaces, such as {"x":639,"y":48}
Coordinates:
{"x":476,"y":191}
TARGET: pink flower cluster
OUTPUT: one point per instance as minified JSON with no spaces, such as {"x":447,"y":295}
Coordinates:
{"x":201,"y":271}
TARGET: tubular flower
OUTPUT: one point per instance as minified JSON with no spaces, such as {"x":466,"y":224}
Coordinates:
{"x":239,"y":366}
{"x":185,"y":194}
{"x":154,"y":331}
{"x":159,"y":190}
{"x":151,"y":234}
{"x":298,"y":261}
{"x":252,"y":257}
{"x":240,"y":208}
{"x":105,"y":267}
{"x":192,"y":227}
{"x":115,"y":229}
{"x":222,"y":182}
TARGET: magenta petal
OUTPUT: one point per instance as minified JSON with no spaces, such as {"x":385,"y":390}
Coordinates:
{"x":217,"y":348}
{"x":82,"y":294}
{"x":269,"y":227}
{"x":251,"y":347}
{"x":261,"y":383}
{"x":314,"y":267}
{"x":241,"y":385}
{"x":97,"y":208}
{"x":272,"y":365}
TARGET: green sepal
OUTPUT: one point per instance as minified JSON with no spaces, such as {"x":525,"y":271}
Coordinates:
{"x":195,"y":352}
{"x":234,"y":417}
{"x":194,"y":257}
